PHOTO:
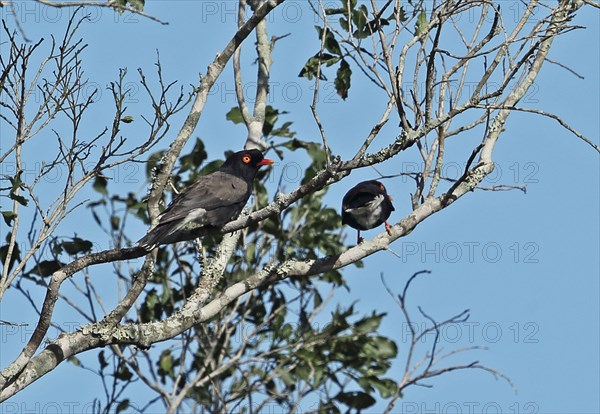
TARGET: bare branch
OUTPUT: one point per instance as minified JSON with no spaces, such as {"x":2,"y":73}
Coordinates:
{"x":213,"y":72}
{"x":548,"y":115}
{"x":111,"y":4}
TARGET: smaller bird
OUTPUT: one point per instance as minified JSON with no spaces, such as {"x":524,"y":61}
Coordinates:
{"x":365,"y":206}
{"x":212,"y":201}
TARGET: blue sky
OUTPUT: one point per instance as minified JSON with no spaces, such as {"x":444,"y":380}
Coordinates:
{"x":526,"y":265}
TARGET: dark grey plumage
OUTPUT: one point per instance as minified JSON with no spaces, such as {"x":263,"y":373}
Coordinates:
{"x":365,"y":206}
{"x":212,"y":201}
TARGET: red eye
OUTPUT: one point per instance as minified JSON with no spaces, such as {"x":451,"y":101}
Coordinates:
{"x":381,"y":187}
{"x":246,"y":159}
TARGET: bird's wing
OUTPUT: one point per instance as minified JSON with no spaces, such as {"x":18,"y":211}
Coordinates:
{"x":208,"y":193}
{"x":360,"y":199}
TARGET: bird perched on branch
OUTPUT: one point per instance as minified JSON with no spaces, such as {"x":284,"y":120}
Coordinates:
{"x":366,"y":206}
{"x":212,"y":201}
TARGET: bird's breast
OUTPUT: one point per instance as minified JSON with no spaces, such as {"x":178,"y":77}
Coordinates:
{"x":369,"y":214}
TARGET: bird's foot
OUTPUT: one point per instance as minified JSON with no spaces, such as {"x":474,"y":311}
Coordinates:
{"x":388,"y":227}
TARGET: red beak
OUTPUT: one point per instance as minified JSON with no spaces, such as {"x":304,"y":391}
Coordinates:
{"x":265,"y":161}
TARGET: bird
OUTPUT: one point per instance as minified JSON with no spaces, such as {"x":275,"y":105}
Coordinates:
{"x":211,"y":201}
{"x":365,"y":206}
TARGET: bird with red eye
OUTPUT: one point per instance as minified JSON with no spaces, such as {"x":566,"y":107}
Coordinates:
{"x":365,"y":206}
{"x":211,"y":201}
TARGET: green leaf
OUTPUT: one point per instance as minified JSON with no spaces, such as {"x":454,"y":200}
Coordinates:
{"x":330,"y":43}
{"x":303,"y":372}
{"x":17,"y":184}
{"x":18,"y":198}
{"x":359,"y":17}
{"x":368,"y":324}
{"x":318,"y":376}
{"x":348,"y":6}
{"x":284,"y":131}
{"x":342,"y":79}
{"x":235,"y":115}
{"x":386,"y":387}
{"x":166,"y":362}
{"x":100,"y":184}
{"x":166,"y":365}
{"x":286,"y":331}
{"x":311,"y":67}
{"x":151,"y":309}
{"x":317,"y":154}
{"x":16,"y":181}
{"x":271,"y":117}
{"x":335,"y":277}
{"x":328,"y":60}
{"x":355,"y":399}
{"x":195,"y":158}
{"x":344,"y":23}
{"x":285,"y":376}
{"x":211,"y":167}
{"x":375,"y":25}
{"x":249,"y":254}
{"x":115,"y":221}
{"x":102,"y":360}
{"x":123,"y":373}
{"x":123,"y":405}
{"x":16,"y":254}
{"x":137,"y":207}
{"x":309,"y":71}
{"x":77,"y":245}
{"x":47,"y":267}
{"x":9,"y":217}
{"x":75,"y":361}
{"x":317,"y":300}
{"x":365,"y":383}
{"x":381,"y":347}
{"x":328,"y":408}
{"x":330,"y":12}
{"x":421,"y":23}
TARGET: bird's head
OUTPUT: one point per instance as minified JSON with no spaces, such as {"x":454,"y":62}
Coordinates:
{"x":374,"y":187}
{"x":245,"y":163}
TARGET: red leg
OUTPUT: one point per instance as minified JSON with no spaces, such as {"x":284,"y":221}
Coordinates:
{"x":359,"y":239}
{"x":387,"y":226}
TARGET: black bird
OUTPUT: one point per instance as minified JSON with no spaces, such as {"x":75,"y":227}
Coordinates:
{"x":366,"y":206}
{"x":212,"y":201}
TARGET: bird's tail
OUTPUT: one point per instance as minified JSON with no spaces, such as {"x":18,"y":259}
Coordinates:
{"x":155,"y":237}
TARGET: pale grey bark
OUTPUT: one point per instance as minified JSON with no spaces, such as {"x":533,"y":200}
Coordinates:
{"x":200,"y":307}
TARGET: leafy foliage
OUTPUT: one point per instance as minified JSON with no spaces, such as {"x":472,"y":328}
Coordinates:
{"x":314,"y":65}
{"x":283,"y":341}
{"x":16,"y":185}
{"x":8,"y":217}
{"x":282,"y":350}
{"x":15,"y":256}
{"x":355,"y":21}
{"x":421,"y":23}
{"x":271,"y":118}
